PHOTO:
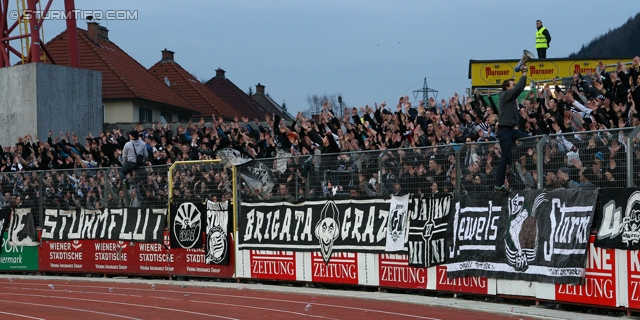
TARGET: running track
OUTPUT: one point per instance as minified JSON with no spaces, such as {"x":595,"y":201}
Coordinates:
{"x":81,"y":298}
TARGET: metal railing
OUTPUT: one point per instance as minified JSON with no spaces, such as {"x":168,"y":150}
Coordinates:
{"x":590,"y":159}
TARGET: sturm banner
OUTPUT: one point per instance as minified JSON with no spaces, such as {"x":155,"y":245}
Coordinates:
{"x":620,"y":224}
{"x":528,"y":235}
{"x":218,"y":214}
{"x":428,"y":230}
{"x":325,"y":226}
{"x":186,"y":225}
{"x":127,"y":224}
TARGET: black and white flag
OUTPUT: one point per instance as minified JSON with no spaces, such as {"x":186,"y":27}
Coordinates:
{"x":127,"y":224}
{"x":397,"y":226}
{"x":186,"y":221}
{"x":217,"y":232}
{"x":232,"y":157}
{"x":258,"y":177}
{"x":22,"y":230}
{"x":528,"y":235}
{"x":620,"y":223}
{"x":428,"y":230}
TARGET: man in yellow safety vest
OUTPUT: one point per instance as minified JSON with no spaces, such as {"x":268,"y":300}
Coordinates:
{"x":543,"y":39}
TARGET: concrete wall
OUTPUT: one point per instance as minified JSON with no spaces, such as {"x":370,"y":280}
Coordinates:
{"x":18,"y":103}
{"x":69,"y":99}
{"x":37,"y":97}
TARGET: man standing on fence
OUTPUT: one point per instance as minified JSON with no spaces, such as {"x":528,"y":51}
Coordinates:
{"x":508,"y":130}
{"x":134,"y":155}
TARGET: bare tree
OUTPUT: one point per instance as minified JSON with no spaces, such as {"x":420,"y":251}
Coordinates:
{"x":316,"y":101}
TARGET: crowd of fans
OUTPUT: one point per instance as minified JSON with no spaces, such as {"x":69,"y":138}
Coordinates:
{"x":340,"y":156}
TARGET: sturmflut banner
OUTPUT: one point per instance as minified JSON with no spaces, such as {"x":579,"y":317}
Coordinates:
{"x":620,"y":223}
{"x":429,"y":219}
{"x":130,"y":224}
{"x":325,"y":226}
{"x":527,"y":235}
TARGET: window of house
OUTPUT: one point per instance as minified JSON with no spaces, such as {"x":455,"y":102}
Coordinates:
{"x":145,"y":115}
{"x":167,"y":116}
{"x":183,"y":119}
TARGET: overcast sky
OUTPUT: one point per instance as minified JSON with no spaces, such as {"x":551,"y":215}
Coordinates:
{"x":369,"y":51}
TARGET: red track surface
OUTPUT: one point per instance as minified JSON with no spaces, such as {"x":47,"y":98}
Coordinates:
{"x":29,"y":299}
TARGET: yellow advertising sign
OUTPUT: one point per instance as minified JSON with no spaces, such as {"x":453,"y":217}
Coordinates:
{"x":487,"y":73}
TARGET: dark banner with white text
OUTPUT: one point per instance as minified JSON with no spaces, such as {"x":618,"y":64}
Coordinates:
{"x":428,"y":230}
{"x":325,"y":226}
{"x":620,"y":223}
{"x":528,"y":235}
{"x":127,"y":224}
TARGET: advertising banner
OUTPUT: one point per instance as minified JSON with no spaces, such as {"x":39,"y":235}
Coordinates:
{"x":468,"y":284}
{"x":395,"y":272}
{"x":192,"y":262}
{"x":342,"y":269}
{"x":633,"y":278}
{"x":17,"y":258}
{"x":599,"y":287}
{"x":66,"y":256}
{"x":276,"y":265}
{"x":153,"y":258}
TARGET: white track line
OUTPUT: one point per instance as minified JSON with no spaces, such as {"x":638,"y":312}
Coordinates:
{"x":20,"y":315}
{"x":328,"y":305}
{"x":120,"y":303}
{"x":267,"y":299}
{"x":289,"y":301}
{"x":107,"y":293}
{"x":267,"y":309}
{"x":67,"y":308}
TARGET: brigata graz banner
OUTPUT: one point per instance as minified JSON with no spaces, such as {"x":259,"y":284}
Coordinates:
{"x":527,"y":235}
{"x":620,"y":224}
{"x":325,"y":226}
{"x":131,"y":224}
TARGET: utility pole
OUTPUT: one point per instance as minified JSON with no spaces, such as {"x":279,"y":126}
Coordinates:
{"x":425,"y":92}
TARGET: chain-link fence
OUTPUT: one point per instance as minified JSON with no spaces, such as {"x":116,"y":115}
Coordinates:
{"x":594,"y":159}
{"x":197,"y":182}
{"x":588,"y":160}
